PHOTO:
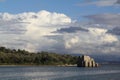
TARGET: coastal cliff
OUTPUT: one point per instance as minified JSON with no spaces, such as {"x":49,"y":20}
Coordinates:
{"x":86,"y":61}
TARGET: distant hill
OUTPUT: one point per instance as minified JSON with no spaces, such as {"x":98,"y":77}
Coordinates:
{"x":23,"y":57}
{"x":109,"y":58}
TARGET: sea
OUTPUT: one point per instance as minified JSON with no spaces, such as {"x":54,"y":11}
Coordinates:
{"x":103,"y":72}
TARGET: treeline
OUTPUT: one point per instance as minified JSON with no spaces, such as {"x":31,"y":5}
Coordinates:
{"x":22,"y":57}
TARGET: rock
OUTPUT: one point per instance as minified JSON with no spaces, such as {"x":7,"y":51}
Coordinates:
{"x":96,"y":65}
{"x":86,"y":61}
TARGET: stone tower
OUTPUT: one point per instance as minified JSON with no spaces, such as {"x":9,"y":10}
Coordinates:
{"x":86,"y":61}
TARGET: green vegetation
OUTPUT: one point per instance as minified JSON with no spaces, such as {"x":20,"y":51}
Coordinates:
{"x":22,"y":57}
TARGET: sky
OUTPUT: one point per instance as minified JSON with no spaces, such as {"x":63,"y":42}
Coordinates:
{"x":90,"y":27}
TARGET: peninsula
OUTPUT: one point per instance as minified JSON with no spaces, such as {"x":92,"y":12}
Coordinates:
{"x":23,"y":57}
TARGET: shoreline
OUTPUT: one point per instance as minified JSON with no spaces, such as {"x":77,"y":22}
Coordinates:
{"x":65,"y":65}
{"x":37,"y":65}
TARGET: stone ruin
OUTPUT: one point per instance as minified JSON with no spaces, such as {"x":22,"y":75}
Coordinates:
{"x":86,"y":61}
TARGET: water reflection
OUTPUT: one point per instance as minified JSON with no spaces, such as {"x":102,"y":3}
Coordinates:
{"x":57,"y":73}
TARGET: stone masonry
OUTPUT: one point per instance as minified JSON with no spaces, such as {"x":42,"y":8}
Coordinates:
{"x":86,"y":61}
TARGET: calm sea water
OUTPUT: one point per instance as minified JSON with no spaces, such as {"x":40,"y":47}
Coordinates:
{"x":105,"y":72}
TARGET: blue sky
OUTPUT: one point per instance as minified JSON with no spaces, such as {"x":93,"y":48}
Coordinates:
{"x":71,"y":8}
{"x":88,"y":27}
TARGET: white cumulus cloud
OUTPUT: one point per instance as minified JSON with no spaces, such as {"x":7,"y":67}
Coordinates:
{"x":51,"y":31}
{"x":35,"y":26}
{"x":87,"y":42}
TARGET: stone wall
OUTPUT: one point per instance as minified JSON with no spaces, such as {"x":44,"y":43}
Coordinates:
{"x":86,"y":61}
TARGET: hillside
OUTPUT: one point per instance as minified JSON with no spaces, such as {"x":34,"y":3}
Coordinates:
{"x":22,"y":57}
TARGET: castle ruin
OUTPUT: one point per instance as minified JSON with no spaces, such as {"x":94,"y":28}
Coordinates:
{"x":86,"y":61}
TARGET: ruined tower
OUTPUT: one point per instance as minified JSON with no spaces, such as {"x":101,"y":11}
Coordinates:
{"x":86,"y":61}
